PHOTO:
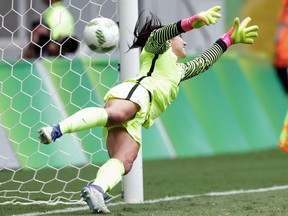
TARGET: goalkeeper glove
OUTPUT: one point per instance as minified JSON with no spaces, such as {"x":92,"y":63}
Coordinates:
{"x":240,"y":33}
{"x":203,"y":18}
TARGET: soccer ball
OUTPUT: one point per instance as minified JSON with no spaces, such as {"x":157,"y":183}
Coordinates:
{"x":101,"y":35}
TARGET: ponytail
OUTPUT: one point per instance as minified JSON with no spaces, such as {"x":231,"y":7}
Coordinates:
{"x":141,"y":34}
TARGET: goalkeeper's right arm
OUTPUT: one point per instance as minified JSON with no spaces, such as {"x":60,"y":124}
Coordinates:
{"x":156,"y":42}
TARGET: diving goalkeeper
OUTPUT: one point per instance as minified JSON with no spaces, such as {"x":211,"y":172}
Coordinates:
{"x":139,"y":101}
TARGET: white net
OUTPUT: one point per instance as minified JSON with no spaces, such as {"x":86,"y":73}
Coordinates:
{"x":40,"y":87}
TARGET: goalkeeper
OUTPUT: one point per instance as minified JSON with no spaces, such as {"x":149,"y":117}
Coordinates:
{"x":139,"y":101}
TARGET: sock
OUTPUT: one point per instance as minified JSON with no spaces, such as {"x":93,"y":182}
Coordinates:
{"x":110,"y":174}
{"x":84,"y":119}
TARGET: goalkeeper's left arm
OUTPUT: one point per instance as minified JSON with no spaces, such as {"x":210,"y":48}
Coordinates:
{"x":239,"y":33}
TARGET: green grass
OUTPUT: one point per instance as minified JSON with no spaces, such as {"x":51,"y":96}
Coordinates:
{"x":198,"y":176}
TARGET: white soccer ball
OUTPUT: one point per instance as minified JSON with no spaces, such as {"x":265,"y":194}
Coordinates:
{"x":101,"y":35}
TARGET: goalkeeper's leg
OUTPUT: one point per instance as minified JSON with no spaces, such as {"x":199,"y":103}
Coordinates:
{"x":123,"y":150}
{"x":81,"y":120}
{"x":115,"y":112}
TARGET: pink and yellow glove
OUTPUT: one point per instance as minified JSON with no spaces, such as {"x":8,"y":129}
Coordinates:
{"x":240,"y":33}
{"x":203,"y":18}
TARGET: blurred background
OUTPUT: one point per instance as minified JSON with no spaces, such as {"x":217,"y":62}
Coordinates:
{"x":17,"y":16}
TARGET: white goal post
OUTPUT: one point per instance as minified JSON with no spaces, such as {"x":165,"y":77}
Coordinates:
{"x":129,"y":67}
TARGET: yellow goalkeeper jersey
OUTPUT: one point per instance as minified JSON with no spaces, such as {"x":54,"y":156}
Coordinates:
{"x":160,"y":73}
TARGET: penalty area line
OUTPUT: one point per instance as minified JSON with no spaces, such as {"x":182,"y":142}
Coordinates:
{"x":224,"y":193}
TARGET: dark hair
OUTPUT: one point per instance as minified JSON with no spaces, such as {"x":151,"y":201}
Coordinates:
{"x":141,"y":34}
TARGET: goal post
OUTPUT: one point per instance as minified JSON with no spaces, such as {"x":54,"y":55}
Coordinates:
{"x":129,"y":67}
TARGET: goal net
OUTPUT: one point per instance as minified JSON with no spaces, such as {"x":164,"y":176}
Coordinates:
{"x":43,"y":88}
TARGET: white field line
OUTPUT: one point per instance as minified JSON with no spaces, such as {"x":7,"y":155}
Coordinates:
{"x":225,"y":193}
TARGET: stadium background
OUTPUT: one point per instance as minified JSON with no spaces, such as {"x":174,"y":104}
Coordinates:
{"x":236,"y":106}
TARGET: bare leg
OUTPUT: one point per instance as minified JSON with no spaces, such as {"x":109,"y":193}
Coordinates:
{"x":120,"y":111}
{"x":123,"y":150}
{"x":122,"y":146}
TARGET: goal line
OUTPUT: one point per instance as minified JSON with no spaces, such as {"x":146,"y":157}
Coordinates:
{"x":167,"y":199}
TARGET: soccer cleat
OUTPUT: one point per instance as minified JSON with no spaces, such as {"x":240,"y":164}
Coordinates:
{"x":94,"y":197}
{"x":49,"y":134}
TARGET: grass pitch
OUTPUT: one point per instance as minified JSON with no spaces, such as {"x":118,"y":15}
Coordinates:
{"x":189,"y":182}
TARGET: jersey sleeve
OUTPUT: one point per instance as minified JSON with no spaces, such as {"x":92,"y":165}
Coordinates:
{"x":204,"y":61}
{"x":157,"y":41}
